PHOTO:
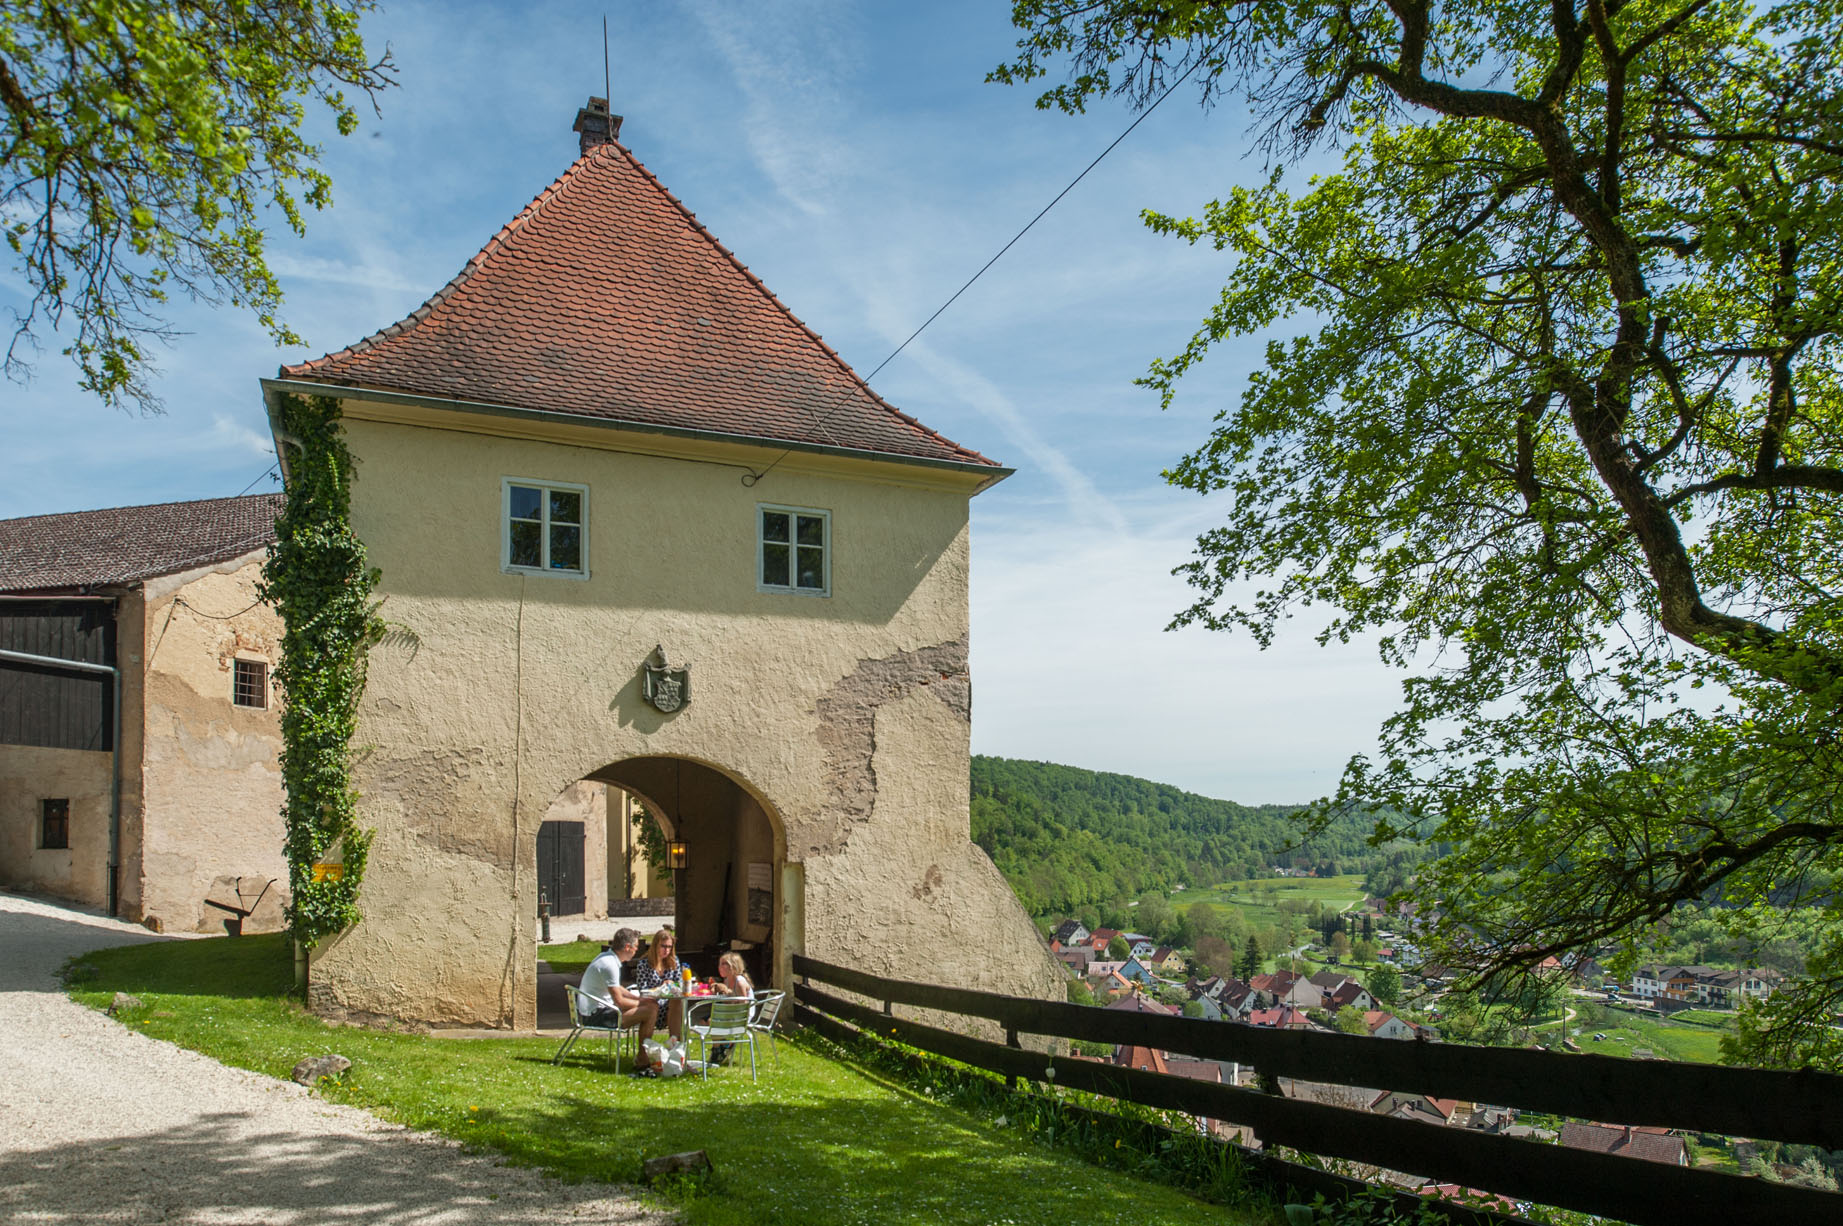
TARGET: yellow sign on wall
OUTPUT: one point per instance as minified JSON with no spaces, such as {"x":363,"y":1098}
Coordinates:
{"x":329,"y":872}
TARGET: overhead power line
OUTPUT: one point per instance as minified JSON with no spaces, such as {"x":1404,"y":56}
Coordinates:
{"x":751,"y":478}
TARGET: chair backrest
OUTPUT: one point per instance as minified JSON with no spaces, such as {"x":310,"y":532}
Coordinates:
{"x":725,"y":1018}
{"x":767,"y":1008}
{"x":584,"y":1005}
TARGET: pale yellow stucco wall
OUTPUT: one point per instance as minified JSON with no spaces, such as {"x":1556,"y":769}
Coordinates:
{"x":209,"y":797}
{"x":846,"y":718}
{"x":30,"y":774}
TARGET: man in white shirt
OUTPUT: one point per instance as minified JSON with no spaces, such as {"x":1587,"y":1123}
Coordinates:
{"x":614,"y":1004}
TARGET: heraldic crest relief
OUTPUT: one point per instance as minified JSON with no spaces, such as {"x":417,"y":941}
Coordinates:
{"x":665,"y":688}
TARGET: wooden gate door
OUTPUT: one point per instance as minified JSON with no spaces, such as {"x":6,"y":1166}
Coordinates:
{"x":560,"y":874}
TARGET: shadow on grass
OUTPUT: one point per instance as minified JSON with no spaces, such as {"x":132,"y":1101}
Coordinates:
{"x":240,"y":968}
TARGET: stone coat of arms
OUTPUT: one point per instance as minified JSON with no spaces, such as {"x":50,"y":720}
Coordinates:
{"x":665,"y":688}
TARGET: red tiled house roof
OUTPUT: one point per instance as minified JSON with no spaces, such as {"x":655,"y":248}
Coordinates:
{"x":607,"y":299}
{"x":1646,"y":1143}
{"x":118,"y":546}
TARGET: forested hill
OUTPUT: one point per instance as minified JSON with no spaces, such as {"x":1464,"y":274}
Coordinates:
{"x":1068,"y":838}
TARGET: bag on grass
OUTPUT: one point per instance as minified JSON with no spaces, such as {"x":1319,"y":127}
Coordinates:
{"x":668,"y":1058}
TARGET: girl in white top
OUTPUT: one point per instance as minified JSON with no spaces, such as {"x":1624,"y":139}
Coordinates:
{"x":735,"y":979}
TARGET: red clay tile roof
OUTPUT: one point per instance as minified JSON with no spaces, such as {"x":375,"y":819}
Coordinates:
{"x":122,"y":545}
{"x":1625,"y":1142}
{"x":606,"y":298}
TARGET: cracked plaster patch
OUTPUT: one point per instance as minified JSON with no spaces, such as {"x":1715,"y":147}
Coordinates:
{"x":848,"y":729}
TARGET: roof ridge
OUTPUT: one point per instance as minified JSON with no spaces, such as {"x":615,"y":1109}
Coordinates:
{"x":501,"y":237}
{"x":786,"y":310}
{"x":145,"y":506}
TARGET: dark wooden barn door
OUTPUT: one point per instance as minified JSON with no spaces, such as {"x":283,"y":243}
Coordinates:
{"x":560,"y":873}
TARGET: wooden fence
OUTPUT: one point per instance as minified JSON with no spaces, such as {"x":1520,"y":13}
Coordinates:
{"x":1798,"y":1107}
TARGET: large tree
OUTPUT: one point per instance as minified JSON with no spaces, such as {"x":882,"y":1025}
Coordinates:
{"x":1561,"y":430}
{"x":141,"y":144}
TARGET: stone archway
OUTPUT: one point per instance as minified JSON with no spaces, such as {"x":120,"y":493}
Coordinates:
{"x":730,"y":893}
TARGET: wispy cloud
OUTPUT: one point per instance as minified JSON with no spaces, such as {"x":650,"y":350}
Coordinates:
{"x":373,"y":276}
{"x":228,"y":434}
{"x":790,"y":60}
{"x":1085,"y":503}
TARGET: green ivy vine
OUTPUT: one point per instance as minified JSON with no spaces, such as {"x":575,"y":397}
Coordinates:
{"x":317,"y":579}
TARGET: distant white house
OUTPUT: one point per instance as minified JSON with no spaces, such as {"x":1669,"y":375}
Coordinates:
{"x":1386,"y":1026}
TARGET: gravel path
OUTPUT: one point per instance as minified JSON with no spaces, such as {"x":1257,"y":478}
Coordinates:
{"x":102,"y":1125}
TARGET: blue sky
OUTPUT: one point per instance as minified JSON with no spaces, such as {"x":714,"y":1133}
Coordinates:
{"x":852,"y":156}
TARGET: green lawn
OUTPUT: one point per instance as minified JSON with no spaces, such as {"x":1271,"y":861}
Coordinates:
{"x":1626,"y":1032}
{"x":1267,"y":892}
{"x":1259,"y":900}
{"x":815,"y":1140}
{"x":571,"y":957}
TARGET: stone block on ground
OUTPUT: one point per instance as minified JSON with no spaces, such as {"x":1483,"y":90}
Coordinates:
{"x":123,"y":1003}
{"x":694,"y":1162}
{"x":309,"y":1071}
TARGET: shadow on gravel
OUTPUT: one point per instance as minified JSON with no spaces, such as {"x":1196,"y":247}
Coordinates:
{"x":38,"y":944}
{"x":223,"y":1169}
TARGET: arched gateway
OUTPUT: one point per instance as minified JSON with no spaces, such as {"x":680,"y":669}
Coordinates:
{"x":638,"y":525}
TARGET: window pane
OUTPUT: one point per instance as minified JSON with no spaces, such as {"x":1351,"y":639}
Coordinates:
{"x":565,"y":547}
{"x":565,"y":507}
{"x":774,"y":563}
{"x":525,"y":544}
{"x":812,"y":530}
{"x":774,"y":525}
{"x":526,"y":501}
{"x":812,"y":568}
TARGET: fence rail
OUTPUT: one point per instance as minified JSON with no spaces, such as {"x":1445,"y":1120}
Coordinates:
{"x":1802,"y":1107}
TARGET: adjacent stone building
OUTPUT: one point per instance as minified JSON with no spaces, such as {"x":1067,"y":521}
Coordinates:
{"x":138,"y":729}
{"x":640,"y":527}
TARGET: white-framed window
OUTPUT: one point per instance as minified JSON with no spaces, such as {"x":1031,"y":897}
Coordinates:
{"x":793,"y":550}
{"x":544,"y":528}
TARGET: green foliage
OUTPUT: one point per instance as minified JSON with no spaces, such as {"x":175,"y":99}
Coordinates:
{"x":1384,"y":983}
{"x":1215,"y":955}
{"x":1563,"y":423}
{"x":1375,"y":1206}
{"x":1071,"y":840}
{"x":140,"y":143}
{"x":1251,"y":959}
{"x":1118,"y":950}
{"x":1349,"y":1019}
{"x":317,"y":579}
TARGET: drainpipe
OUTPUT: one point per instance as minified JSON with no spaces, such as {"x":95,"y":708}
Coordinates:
{"x":115,"y":755}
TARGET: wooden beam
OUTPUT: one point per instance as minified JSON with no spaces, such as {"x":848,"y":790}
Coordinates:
{"x":1803,"y":1107}
{"x":1642,"y":1193}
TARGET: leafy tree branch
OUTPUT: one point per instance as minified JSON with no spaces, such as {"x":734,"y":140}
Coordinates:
{"x":142,"y":143}
{"x":1565,"y":434}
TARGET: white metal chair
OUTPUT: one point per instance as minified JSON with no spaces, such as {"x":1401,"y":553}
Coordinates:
{"x":725,"y":1020}
{"x":579,"y":1001}
{"x":761,"y":1020}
